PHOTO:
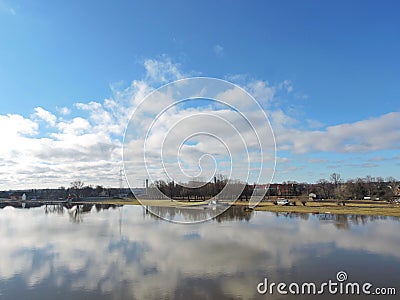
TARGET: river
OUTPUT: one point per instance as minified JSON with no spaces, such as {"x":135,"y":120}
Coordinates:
{"x":124,"y":252}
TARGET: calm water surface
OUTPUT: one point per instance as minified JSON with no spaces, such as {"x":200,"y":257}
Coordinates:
{"x":95,"y":252}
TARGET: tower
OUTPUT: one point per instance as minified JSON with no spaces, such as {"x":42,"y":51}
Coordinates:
{"x":121,"y":183}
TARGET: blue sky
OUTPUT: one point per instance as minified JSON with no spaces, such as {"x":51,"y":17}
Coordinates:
{"x":340,"y":58}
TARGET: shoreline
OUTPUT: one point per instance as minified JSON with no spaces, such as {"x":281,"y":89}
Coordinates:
{"x":313,"y":207}
{"x":384,"y":209}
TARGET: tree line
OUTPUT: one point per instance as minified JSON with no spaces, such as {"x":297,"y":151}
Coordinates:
{"x":332,"y":188}
{"x":375,"y":188}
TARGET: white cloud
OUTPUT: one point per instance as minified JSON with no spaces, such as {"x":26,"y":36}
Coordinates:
{"x":44,"y":115}
{"x":264,"y":92}
{"x":286,"y":85}
{"x":107,"y":117}
{"x":72,"y":150}
{"x":261,"y":91}
{"x":363,"y":136}
{"x":75,"y":127}
{"x":313,"y":124}
{"x":64,"y":110}
{"x":12,"y":125}
{"x":162,"y":71}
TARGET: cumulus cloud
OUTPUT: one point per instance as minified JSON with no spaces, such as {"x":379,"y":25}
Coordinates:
{"x":73,"y":149}
{"x":286,"y":85}
{"x":162,"y":71}
{"x":261,"y":91}
{"x":362,"y":136}
{"x":42,"y":114}
{"x":75,"y":127}
{"x":12,"y":125}
{"x":64,"y":110}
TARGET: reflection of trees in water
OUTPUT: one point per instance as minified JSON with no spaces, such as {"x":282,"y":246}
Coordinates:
{"x":294,"y":215}
{"x":234,"y":213}
{"x":100,"y":207}
{"x":76,"y":212}
{"x":344,"y":221}
{"x":196,"y":214}
{"x":340,"y":221}
{"x":54,"y":209}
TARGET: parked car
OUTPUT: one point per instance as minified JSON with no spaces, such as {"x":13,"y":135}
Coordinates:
{"x":283,"y":202}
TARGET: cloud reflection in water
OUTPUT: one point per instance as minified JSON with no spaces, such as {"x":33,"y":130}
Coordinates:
{"x":125,"y":253}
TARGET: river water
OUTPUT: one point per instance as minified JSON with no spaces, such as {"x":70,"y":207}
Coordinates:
{"x":110,"y":252}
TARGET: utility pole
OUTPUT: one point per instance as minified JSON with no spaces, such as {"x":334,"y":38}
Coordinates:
{"x":121,"y":184}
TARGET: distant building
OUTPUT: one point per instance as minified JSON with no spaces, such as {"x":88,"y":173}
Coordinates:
{"x":4,"y":195}
{"x":16,"y":196}
{"x":260,"y":189}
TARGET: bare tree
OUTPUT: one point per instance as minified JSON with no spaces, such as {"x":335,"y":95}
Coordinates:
{"x":336,"y":179}
{"x":77,"y":186}
{"x":358,"y":188}
{"x":370,"y":185}
{"x":325,"y":188}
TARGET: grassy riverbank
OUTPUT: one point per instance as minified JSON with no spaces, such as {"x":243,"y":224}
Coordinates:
{"x":164,"y":203}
